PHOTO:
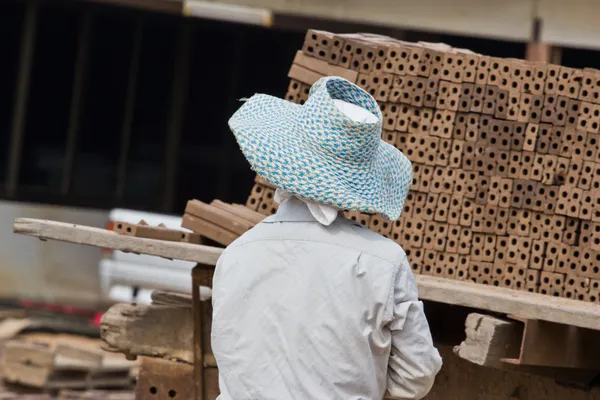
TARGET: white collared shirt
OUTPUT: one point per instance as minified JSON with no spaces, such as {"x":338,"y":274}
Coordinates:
{"x":304,"y":311}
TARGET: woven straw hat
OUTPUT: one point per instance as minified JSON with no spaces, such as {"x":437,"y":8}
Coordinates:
{"x":316,"y":152}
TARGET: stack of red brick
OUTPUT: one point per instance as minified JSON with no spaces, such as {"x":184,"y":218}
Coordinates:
{"x":506,"y":187}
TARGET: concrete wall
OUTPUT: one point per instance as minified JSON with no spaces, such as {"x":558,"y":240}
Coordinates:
{"x":462,"y":380}
{"x":49,"y":271}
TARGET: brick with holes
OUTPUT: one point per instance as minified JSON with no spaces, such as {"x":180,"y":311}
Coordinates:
{"x":501,"y":222}
{"x":551,"y":283}
{"x":441,"y":212}
{"x":430,"y":259}
{"x":464,"y":242}
{"x":538,"y":253}
{"x":429,"y":235}
{"x":454,"y":211}
{"x":532,"y":280}
{"x":513,"y":108}
{"x":452,"y":243}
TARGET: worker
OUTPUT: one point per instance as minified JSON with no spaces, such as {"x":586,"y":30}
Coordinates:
{"x":309,"y":305}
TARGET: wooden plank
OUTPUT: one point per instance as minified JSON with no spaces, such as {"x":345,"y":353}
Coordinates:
{"x":219,"y":217}
{"x":491,"y":340}
{"x":239,"y":210}
{"x":156,"y":232}
{"x":155,"y":331}
{"x":324,"y":68}
{"x":208,"y":230}
{"x":507,"y":301}
{"x":548,"y":344}
{"x":496,"y":299}
{"x":103,"y":238}
{"x":303,"y":75}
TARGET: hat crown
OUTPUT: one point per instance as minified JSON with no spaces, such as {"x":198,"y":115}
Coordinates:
{"x":328,"y":130}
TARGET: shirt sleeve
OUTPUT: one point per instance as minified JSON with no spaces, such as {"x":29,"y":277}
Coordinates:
{"x":414,"y":361}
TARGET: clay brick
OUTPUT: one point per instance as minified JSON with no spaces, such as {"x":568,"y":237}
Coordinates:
{"x":591,"y":147}
{"x":551,"y":283}
{"x":462,"y":269}
{"x":572,"y":116}
{"x":429,"y":235}
{"x":538,"y":252}
{"x":453,"y":239}
{"x":544,"y":137}
{"x":514,"y":104}
{"x":467,"y":213}
{"x":502,"y":216}
{"x":502,"y":163}
{"x":538,"y":79}
{"x":531,"y":137}
{"x":570,"y":234}
{"x":430,"y":259}
{"x":482,"y":190}
{"x":506,"y":188}
{"x":532,"y":280}
{"x":415,"y":258}
{"x":529,"y":194}
{"x":552,"y":79}
{"x":561,"y":170}
{"x":456,"y":154}
{"x":549,"y":108}
{"x":441,"y":212}
{"x":471,"y":185}
{"x":430,"y":99}
{"x":501,"y":110}
{"x":443,"y":124}
{"x":483,"y":66}
{"x":489,"y":100}
{"x":537,"y":170}
{"x":448,"y":96}
{"x":472,"y":130}
{"x":464,"y":104}
{"x":579,"y":142}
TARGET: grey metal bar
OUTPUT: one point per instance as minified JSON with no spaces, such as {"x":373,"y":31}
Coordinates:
{"x":179,"y":97}
{"x":22,"y":95}
{"x":126,"y":129}
{"x":77,"y":99}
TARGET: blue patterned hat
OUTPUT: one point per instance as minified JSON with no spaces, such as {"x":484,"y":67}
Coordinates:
{"x":317,"y":153}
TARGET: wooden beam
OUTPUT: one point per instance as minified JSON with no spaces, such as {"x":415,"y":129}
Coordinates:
{"x":491,"y":342}
{"x":508,"y":301}
{"x":155,"y":331}
{"x":466,"y":294}
{"x":547,"y":344}
{"x":103,"y":238}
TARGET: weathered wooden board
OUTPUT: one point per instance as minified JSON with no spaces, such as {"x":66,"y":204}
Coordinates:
{"x":103,"y":238}
{"x":508,"y":301}
{"x":468,"y":294}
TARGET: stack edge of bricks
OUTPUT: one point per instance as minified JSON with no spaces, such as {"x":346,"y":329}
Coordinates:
{"x":506,"y":188}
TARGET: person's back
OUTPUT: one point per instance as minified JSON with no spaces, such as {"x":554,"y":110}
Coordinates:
{"x":307,"y":305}
{"x":305,"y":311}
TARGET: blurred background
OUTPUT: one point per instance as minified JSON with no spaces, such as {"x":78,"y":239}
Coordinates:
{"x":123,"y":104}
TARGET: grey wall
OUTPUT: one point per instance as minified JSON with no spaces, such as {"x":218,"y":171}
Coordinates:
{"x":50,"y":271}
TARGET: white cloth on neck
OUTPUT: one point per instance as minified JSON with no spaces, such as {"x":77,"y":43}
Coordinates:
{"x":325,"y":215}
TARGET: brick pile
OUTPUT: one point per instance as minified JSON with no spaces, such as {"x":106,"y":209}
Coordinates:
{"x":505,"y":154}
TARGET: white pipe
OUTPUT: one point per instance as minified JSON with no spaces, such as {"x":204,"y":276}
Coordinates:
{"x":147,"y":277}
{"x":228,"y":12}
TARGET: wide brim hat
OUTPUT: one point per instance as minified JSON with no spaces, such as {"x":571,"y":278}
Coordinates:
{"x":317,"y":153}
